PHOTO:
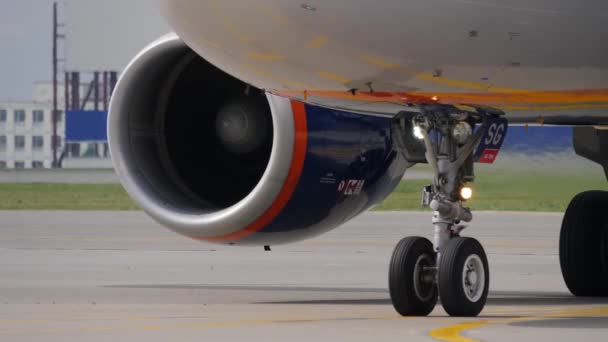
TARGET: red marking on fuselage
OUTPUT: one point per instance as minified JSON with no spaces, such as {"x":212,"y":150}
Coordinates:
{"x":488,"y":156}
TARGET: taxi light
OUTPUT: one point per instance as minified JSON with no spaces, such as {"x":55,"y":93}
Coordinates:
{"x":418,"y":132}
{"x":461,"y":132}
{"x":466,"y":193}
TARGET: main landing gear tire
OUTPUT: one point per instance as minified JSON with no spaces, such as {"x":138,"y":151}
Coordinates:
{"x":583,"y":245}
{"x":464,"y":277}
{"x":411,"y":280}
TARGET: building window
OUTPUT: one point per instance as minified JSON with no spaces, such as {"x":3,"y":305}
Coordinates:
{"x":59,"y":117}
{"x":38,"y":116}
{"x":19,"y":142}
{"x":2,"y":164}
{"x":19,"y":165}
{"x":2,"y":143}
{"x":2,"y":116}
{"x":36,"y":164}
{"x":92,"y":151}
{"x":74,"y":150}
{"x":37,"y":142}
{"x":19,"y":117}
{"x":58,"y":142}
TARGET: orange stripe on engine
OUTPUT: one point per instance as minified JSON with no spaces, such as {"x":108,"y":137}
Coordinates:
{"x":293,"y":177}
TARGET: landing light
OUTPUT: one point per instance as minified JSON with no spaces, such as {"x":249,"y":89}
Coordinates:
{"x":462,"y":132}
{"x":418,"y":132}
{"x":466,"y":193}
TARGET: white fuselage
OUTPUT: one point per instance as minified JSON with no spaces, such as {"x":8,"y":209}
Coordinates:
{"x":531,"y":58}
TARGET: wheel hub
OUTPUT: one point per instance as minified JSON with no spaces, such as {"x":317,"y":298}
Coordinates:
{"x":473,"y":278}
{"x":423,"y":279}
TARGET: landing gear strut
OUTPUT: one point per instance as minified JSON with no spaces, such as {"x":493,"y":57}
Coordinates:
{"x":455,"y":268}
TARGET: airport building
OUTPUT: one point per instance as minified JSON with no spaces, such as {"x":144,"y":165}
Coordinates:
{"x":88,"y":47}
{"x":26,"y":132}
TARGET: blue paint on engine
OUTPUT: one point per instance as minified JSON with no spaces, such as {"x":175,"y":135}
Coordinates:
{"x":359,"y":149}
{"x":352,"y":163}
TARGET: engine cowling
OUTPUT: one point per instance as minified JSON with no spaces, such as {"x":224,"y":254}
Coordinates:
{"x":215,"y":159}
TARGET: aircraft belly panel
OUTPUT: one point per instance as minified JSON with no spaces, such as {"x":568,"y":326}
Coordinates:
{"x":533,"y":59}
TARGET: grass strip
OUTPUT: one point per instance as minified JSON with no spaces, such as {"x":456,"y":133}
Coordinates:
{"x":495,"y":190}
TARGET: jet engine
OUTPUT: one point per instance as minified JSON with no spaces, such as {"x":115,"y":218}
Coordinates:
{"x":216,"y":159}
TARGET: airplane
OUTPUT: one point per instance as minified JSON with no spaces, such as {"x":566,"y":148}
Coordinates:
{"x":272,"y":121}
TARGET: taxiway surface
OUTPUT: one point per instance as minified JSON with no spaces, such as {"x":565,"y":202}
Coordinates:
{"x":100,"y":276}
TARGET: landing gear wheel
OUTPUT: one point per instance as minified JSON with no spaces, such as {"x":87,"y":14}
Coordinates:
{"x":583,"y":245}
{"x":464,"y":277}
{"x":411,"y":279}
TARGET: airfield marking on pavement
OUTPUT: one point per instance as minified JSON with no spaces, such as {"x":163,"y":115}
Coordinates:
{"x":590,"y":312}
{"x":237,"y":324}
{"x":450,"y":333}
{"x":194,"y":325}
{"x":453,"y":333}
{"x":22,"y":321}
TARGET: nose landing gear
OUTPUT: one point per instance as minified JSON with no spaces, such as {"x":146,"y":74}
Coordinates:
{"x":453,"y":268}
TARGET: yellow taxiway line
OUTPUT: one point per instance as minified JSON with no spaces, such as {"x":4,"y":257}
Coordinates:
{"x":453,"y":333}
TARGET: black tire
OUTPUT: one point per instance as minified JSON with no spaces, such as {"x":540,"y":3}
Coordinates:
{"x":411,"y":296}
{"x":583,"y":245}
{"x":454,"y":300}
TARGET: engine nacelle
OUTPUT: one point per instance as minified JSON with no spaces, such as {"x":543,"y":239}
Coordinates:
{"x":215,"y":159}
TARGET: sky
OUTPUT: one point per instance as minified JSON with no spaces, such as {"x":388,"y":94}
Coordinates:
{"x":26,"y":39}
{"x":25,"y":46}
